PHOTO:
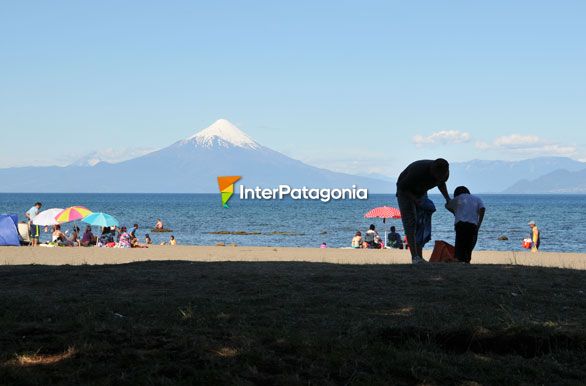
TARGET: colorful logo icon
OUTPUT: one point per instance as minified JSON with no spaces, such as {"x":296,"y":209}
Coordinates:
{"x":226,"y":184}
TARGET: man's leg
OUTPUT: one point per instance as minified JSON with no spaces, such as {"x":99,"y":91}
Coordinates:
{"x":409,"y":219}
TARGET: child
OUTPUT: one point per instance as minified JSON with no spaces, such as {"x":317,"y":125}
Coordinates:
{"x":357,"y":240}
{"x":147,"y":239}
{"x":323,"y":245}
{"x":468,"y":213}
{"x":172,"y":240}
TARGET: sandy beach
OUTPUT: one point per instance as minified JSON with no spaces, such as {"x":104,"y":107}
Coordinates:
{"x":92,"y":255}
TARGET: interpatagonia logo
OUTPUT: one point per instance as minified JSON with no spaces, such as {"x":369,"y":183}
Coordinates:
{"x":226,"y":184}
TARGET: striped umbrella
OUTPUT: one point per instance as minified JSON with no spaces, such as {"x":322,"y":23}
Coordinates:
{"x":73,"y":213}
{"x":383,"y":212}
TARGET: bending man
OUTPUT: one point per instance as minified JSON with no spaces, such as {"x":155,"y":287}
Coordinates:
{"x":412,"y":186}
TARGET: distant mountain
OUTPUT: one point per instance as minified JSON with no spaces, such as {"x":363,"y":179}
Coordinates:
{"x":110,"y":156}
{"x":190,"y":165}
{"x":556,"y":182}
{"x":498,"y":176}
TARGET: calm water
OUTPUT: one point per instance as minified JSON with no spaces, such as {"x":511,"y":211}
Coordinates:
{"x":192,"y":216}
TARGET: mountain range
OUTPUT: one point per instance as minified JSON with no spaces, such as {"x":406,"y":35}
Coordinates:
{"x":191,"y":165}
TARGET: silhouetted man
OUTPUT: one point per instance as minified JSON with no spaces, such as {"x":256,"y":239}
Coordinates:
{"x":412,"y":186}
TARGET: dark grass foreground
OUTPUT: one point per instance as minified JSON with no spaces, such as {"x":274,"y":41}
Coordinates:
{"x":291,"y":323}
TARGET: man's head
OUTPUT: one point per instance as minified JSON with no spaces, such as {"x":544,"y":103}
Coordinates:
{"x":393,"y":229}
{"x":531,"y":223}
{"x":38,"y":205}
{"x":440,"y":169}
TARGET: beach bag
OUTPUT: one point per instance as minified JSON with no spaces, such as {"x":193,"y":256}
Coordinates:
{"x":527,"y":243}
{"x":443,"y":252}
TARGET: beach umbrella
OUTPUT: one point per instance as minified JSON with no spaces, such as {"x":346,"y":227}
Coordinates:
{"x":47,"y":217}
{"x":73,"y":213}
{"x":101,"y":219}
{"x":384,"y":212}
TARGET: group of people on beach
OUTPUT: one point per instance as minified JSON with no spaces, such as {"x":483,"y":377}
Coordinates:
{"x":372,"y":239}
{"x":119,"y":237}
{"x":416,"y":209}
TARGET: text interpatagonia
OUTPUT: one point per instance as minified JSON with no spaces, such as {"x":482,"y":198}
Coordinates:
{"x":304,"y":193}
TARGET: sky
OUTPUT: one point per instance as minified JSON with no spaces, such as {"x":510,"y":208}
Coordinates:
{"x":354,"y":86}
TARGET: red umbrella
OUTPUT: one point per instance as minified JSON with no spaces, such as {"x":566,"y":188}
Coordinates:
{"x":384,"y":212}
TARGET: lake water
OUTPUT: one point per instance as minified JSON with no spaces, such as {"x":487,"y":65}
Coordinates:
{"x":309,"y":223}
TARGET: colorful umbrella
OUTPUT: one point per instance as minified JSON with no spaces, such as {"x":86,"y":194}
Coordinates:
{"x":73,"y":213}
{"x":384,"y":212}
{"x":101,"y":219}
{"x":47,"y":217}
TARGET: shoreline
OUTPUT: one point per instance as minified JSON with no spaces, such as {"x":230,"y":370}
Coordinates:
{"x":101,"y":256}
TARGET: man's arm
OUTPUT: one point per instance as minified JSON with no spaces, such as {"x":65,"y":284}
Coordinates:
{"x":444,"y":191}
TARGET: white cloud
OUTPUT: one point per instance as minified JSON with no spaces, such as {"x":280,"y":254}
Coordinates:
{"x":527,"y":145}
{"x":444,"y":137}
{"x":515,"y":140}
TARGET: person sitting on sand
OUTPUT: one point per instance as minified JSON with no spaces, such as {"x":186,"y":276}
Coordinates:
{"x":357,"y":240}
{"x":159,"y":224}
{"x":107,"y":236}
{"x":88,"y":237}
{"x":323,"y":245}
{"x":59,"y":237}
{"x":124,"y":241}
{"x":147,"y":239}
{"x":132,"y":233}
{"x":172,"y":240}
{"x":394,"y":239}
{"x":378,"y":242}
{"x":371,"y":233}
{"x":74,"y":239}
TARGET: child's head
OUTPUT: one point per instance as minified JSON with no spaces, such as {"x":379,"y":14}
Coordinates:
{"x":358,"y":233}
{"x":461,"y":190}
{"x":147,"y":236}
{"x":172,"y":237}
{"x":393,"y":229}
{"x":372,"y":227}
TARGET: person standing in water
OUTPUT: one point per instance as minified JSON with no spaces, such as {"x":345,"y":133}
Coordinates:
{"x":535,"y":237}
{"x":412,"y":186}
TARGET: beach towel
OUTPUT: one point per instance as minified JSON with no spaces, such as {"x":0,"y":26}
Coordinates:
{"x":443,"y":252}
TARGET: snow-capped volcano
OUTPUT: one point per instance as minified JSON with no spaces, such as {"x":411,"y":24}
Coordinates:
{"x":224,"y":134}
{"x":187,"y":166}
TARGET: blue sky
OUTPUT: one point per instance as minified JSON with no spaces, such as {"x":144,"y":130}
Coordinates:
{"x":362,"y":86}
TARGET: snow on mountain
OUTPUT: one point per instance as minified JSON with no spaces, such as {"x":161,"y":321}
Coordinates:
{"x":191,"y":165}
{"x":224,"y":134}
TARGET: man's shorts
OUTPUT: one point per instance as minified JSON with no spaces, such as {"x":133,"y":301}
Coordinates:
{"x":34,"y":231}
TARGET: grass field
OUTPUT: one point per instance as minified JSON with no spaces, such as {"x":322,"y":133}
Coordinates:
{"x":292,"y":323}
